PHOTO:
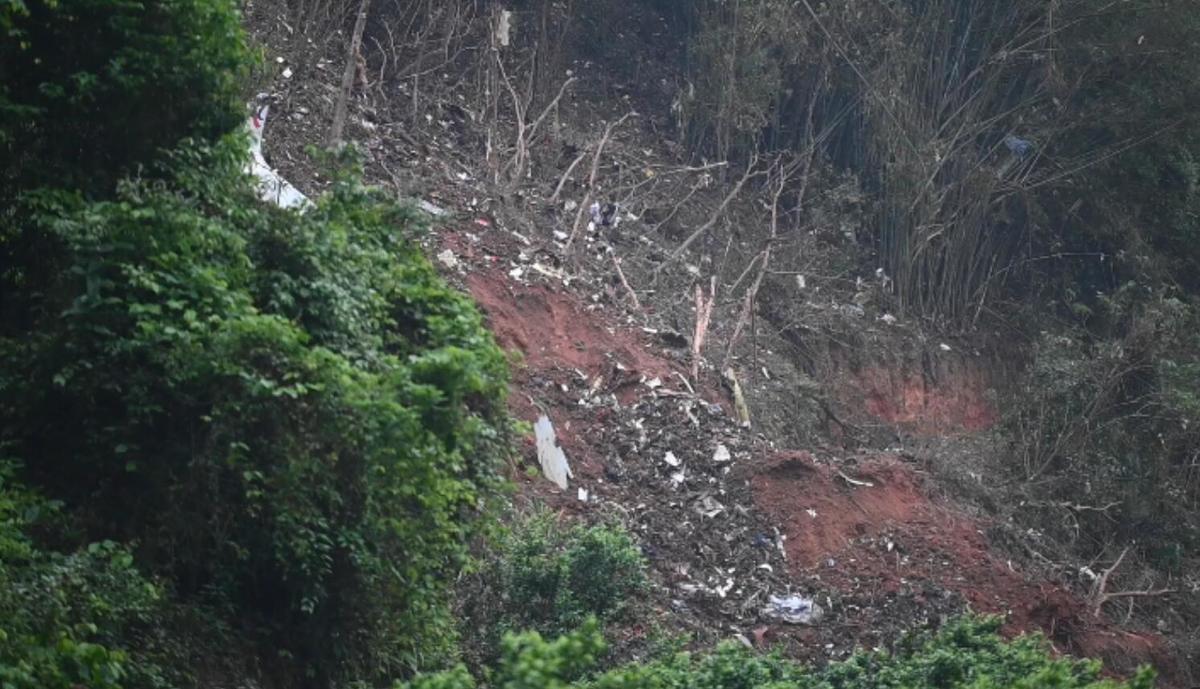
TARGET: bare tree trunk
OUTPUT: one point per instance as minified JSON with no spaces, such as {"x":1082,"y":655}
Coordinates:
{"x":339,"y":112}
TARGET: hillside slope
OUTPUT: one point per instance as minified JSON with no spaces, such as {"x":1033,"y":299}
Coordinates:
{"x":862,"y":480}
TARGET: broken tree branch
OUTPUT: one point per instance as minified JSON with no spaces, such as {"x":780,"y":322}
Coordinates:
{"x":704,"y":308}
{"x":716,"y":216}
{"x":1101,"y":595}
{"x":621,"y":274}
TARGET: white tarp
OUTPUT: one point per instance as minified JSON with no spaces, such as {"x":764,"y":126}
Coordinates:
{"x":550,"y":455}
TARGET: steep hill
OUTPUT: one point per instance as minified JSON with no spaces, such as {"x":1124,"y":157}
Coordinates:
{"x":871,"y":475}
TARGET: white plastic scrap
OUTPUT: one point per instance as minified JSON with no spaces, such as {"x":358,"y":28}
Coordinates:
{"x":672,"y":460}
{"x":504,"y":28}
{"x":550,"y":455}
{"x":721,"y":455}
{"x":432,"y":209}
{"x":709,"y":507}
{"x":271,"y":186}
{"x":794,"y":609}
{"x":448,"y":259}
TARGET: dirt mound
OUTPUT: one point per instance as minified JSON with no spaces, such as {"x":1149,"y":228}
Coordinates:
{"x":872,"y":531}
{"x":552,"y":331}
{"x":928,"y":407}
{"x":928,"y":391}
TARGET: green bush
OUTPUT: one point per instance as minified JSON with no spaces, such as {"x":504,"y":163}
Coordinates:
{"x":89,"y":89}
{"x":65,"y":617}
{"x":967,"y":653}
{"x":293,"y":414}
{"x":551,"y":578}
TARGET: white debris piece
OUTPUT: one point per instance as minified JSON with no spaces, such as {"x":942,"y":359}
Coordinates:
{"x":677,"y":478}
{"x":550,"y":455}
{"x":794,"y":609}
{"x":448,"y":259}
{"x":287,"y":72}
{"x":800,"y":282}
{"x":434,"y":210}
{"x":888,"y":318}
{"x":271,"y":186}
{"x":944,"y":347}
{"x":709,"y":507}
{"x":672,"y":460}
{"x":721,"y":455}
{"x":504,"y":27}
{"x":583,"y":495}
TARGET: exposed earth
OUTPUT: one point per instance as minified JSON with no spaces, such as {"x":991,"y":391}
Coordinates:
{"x":823,"y":496}
{"x":865,"y":534}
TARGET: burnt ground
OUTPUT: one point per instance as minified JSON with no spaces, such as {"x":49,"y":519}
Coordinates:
{"x":834,"y":493}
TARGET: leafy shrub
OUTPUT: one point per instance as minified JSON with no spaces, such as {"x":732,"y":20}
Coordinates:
{"x":91,"y":88}
{"x":965,"y":653}
{"x":293,"y":414}
{"x":529,"y":662}
{"x":65,"y":616}
{"x":551,"y":578}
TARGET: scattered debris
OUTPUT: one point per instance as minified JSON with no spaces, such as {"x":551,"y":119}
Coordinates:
{"x":504,"y":28}
{"x":434,"y":210}
{"x":1018,"y":146}
{"x":794,"y":610}
{"x":854,"y":482}
{"x":447,"y":258}
{"x":708,"y":506}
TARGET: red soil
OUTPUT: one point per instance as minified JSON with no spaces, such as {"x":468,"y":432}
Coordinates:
{"x":558,"y":339}
{"x":930,"y":543}
{"x":910,"y":399}
{"x":890,"y":535}
{"x":553,"y":332}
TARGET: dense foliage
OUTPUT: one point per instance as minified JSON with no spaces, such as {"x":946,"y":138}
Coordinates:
{"x":543,"y":575}
{"x":64,"y":616}
{"x":90,"y":89}
{"x":279,"y":409}
{"x":965,"y":653}
{"x":288,"y":418}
